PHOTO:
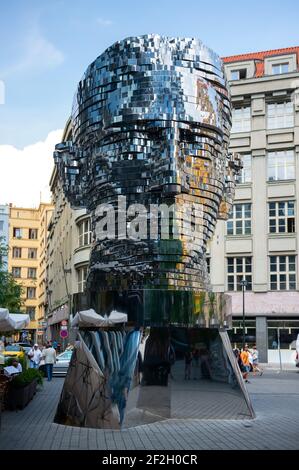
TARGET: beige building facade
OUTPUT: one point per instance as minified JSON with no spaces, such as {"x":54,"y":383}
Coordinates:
{"x":26,"y":257}
{"x":259,"y":243}
{"x":68,"y":250}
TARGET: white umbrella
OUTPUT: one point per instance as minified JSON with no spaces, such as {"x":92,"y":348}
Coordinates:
{"x":89,"y":318}
{"x":13,"y":321}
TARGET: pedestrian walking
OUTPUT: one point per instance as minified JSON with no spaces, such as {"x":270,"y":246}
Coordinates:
{"x":35,"y":356}
{"x":255,"y":361}
{"x":49,"y":355}
{"x":246,"y":363}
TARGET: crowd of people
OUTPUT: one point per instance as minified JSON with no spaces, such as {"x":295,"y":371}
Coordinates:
{"x":248,"y":361}
{"x":43,"y":356}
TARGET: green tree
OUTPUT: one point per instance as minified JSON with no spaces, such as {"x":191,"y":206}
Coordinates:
{"x":10,"y":290}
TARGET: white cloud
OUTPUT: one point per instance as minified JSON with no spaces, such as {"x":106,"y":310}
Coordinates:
{"x":103,"y":22}
{"x":25,"y":173}
{"x":38,"y":54}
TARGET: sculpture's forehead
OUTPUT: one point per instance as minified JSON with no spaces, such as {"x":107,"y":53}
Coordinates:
{"x":151,"y":78}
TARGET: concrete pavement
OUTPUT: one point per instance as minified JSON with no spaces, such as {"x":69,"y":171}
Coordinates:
{"x":275,"y":398}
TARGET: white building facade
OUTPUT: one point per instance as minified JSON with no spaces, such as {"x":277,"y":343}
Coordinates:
{"x":259,"y":243}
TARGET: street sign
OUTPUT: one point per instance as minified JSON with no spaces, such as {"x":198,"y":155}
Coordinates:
{"x":63,"y":328}
{"x":63,"y":323}
{"x":63,"y":334}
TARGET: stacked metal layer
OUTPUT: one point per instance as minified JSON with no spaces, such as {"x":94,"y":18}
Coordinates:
{"x":151,"y":121}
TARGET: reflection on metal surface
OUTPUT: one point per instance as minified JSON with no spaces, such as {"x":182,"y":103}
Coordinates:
{"x":176,"y":373}
{"x":148,"y":157}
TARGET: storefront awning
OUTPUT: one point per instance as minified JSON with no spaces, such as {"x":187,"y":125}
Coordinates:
{"x":13,"y":321}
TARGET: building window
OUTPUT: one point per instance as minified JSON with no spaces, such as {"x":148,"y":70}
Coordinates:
{"x":280,"y":115}
{"x":31,"y":292}
{"x":16,"y":272}
{"x":281,"y":165}
{"x":236,"y":334}
{"x":239,"y":268}
{"x":240,"y":221}
{"x":238,"y":74}
{"x":282,"y":217}
{"x":17,"y":232}
{"x":32,"y":253}
{"x":280,"y":68}
{"x":241,"y":119}
{"x":282,"y":272}
{"x":84,"y":233}
{"x":31,"y":274}
{"x":1,"y":225}
{"x":82,"y":275}
{"x":31,"y":312}
{"x":33,"y":233}
{"x":245,"y":174}
{"x":287,"y":335}
{"x":16,"y":252}
{"x":208,"y":258}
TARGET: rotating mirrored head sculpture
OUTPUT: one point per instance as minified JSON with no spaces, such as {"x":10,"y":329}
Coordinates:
{"x":149,"y":160}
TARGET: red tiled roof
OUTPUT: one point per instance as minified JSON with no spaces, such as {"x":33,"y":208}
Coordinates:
{"x":259,"y":57}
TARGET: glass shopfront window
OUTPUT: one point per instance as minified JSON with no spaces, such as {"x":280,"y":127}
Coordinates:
{"x":236,"y":334}
{"x":285,"y":330}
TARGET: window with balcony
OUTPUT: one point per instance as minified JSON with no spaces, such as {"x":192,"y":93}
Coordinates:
{"x":245,"y":173}
{"x":240,"y":221}
{"x":239,"y":268}
{"x":17,"y":232}
{"x":16,"y":272}
{"x":16,"y":252}
{"x":31,"y":292}
{"x":241,"y":119}
{"x":33,"y":233}
{"x":32,"y":253}
{"x":280,"y":115}
{"x":283,"y":272}
{"x":280,"y":68}
{"x":84,"y":232}
{"x":31,"y":273}
{"x":281,"y":165}
{"x":282,"y":217}
{"x":82,"y":275}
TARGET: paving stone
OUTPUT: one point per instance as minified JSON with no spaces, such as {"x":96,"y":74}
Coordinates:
{"x":274,"y":396}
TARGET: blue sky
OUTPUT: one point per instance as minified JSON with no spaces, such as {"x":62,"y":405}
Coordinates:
{"x":45,"y":46}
